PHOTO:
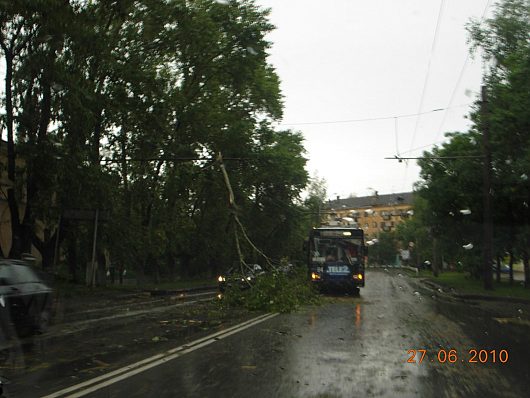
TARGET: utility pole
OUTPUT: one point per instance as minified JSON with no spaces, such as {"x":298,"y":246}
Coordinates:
{"x":487,"y":240}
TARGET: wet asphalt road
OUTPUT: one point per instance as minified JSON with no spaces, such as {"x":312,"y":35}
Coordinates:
{"x":355,"y":347}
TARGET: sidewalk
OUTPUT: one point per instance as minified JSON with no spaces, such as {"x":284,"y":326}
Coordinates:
{"x":84,"y":303}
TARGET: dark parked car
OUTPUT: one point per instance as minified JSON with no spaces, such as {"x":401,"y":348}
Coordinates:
{"x":25,"y":299}
{"x":234,"y":277}
{"x":505,"y":269}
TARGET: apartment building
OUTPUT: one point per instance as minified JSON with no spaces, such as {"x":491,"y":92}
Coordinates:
{"x":373,"y":214}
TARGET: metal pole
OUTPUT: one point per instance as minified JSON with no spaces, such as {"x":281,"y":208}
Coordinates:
{"x":487,"y":241}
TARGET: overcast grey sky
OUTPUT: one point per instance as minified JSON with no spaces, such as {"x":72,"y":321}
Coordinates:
{"x":350,"y":59}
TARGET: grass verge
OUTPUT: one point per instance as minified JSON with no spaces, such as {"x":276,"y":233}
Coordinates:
{"x":465,"y":284}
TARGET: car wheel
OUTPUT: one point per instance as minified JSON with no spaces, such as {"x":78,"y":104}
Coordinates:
{"x":355,"y":291}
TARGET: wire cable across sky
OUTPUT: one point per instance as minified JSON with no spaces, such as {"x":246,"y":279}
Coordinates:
{"x":370,"y":119}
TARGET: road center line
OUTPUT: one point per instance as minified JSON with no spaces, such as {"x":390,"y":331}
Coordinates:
{"x":125,"y":372}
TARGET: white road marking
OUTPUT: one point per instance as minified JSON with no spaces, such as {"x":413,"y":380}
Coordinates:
{"x":117,"y":375}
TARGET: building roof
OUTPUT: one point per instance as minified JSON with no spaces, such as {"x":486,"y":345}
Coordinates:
{"x":403,"y":198}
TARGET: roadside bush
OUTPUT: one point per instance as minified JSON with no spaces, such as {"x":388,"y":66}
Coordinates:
{"x":274,"y":292}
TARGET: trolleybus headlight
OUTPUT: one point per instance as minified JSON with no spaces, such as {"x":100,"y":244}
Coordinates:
{"x":221,"y":278}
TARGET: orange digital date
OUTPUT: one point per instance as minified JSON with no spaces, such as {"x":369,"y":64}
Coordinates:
{"x":451,"y":356}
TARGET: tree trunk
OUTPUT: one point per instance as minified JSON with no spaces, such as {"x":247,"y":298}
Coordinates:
{"x":171,"y":264}
{"x":16,"y":233}
{"x":511,"y":266}
{"x":157,"y":271}
{"x":184,"y":262}
{"x":47,"y":257}
{"x":101,"y":273}
{"x":526,"y":269}
{"x":72,"y":259}
{"x":435,"y":265}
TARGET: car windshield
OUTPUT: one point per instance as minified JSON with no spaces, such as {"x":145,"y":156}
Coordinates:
{"x":264,"y":198}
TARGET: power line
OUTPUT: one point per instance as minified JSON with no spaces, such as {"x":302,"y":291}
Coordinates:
{"x":464,"y":66}
{"x":400,"y":158}
{"x":427,"y":74}
{"x":422,"y":147}
{"x":370,"y":119}
{"x":169,"y":159}
{"x":453,"y":94}
{"x":433,"y":46}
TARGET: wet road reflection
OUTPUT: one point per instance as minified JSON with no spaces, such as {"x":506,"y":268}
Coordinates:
{"x":357,"y":315}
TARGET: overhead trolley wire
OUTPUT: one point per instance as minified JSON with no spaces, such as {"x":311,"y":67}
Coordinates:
{"x":369,"y":119}
{"x":427,"y":74}
{"x":464,"y":66}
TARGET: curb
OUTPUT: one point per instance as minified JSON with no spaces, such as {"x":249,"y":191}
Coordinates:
{"x":468,"y":296}
{"x":156,"y":292}
{"x":159,"y":295}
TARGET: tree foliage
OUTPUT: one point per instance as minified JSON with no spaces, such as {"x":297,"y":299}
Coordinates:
{"x":451,"y":178}
{"x":124,"y":106}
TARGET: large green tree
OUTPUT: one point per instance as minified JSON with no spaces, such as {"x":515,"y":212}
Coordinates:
{"x":124,"y":107}
{"x":505,"y":42}
{"x":451,"y":176}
